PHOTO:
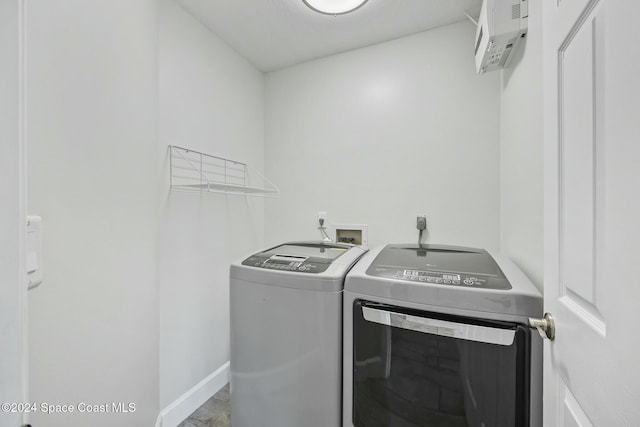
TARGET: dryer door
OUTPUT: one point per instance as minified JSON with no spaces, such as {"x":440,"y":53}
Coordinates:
{"x":424,"y":369}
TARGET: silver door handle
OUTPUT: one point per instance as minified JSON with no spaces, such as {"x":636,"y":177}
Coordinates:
{"x":445,"y":328}
{"x":546,"y":326}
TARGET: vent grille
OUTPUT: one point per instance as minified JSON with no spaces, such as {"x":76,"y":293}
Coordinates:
{"x":515,"y":11}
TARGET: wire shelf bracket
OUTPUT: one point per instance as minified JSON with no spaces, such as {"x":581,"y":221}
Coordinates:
{"x":195,"y":171}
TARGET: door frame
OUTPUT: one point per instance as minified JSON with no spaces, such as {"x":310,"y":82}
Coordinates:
{"x":13,"y":310}
{"x":22,"y":184}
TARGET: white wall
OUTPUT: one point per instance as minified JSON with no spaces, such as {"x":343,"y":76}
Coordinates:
{"x":521,"y":181}
{"x":11,"y":218}
{"x":92,"y":171}
{"x":211,"y":100}
{"x":382,"y":133}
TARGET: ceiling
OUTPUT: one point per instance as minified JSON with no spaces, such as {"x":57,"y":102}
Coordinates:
{"x":274,"y":34}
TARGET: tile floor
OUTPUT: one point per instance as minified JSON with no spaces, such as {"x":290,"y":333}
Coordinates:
{"x":215,"y":412}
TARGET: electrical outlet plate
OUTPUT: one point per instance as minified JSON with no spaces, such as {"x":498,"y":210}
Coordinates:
{"x":421,"y":222}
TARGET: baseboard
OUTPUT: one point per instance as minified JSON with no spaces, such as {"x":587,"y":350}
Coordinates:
{"x":183,"y":406}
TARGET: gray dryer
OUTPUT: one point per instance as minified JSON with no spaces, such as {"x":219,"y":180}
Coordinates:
{"x":438,"y":335}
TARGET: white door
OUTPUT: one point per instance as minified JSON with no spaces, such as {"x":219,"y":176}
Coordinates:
{"x":12,"y":221}
{"x":592,"y":212}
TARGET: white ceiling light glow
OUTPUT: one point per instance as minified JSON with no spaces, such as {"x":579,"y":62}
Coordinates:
{"x":334,"y":7}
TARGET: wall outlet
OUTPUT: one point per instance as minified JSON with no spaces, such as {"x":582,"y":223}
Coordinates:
{"x":322,"y":218}
{"x":421,"y":222}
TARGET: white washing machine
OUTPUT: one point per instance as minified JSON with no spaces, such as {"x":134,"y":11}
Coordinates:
{"x":286,"y":335}
{"x":438,"y":336}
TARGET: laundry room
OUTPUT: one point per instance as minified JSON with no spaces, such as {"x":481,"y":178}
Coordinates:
{"x":168,"y":155}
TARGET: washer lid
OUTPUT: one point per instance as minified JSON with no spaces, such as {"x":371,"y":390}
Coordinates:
{"x":314,"y":266}
{"x":305,"y":257}
{"x":448,"y":265}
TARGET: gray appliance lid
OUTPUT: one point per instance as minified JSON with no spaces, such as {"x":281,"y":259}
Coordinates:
{"x":314,"y":266}
{"x":488,"y":283}
{"x":305,"y":257}
{"x":452,"y":265}
{"x":439,"y":257}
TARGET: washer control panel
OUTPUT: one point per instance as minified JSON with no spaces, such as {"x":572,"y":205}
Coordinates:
{"x":445,"y":278}
{"x":440,"y":277}
{"x":291,"y":263}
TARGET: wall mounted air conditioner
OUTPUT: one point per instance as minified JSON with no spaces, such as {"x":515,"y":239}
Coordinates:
{"x":501,"y":26}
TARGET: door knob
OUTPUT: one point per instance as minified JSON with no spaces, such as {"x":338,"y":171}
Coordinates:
{"x":546,"y":326}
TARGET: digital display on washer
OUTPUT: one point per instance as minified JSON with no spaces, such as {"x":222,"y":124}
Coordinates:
{"x":299,"y":258}
{"x":277,"y":261}
{"x":439,"y":264}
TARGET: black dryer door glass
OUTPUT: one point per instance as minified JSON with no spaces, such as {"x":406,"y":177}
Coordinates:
{"x":422,"y":369}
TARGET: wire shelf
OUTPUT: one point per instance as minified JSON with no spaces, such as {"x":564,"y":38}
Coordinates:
{"x":195,"y":171}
